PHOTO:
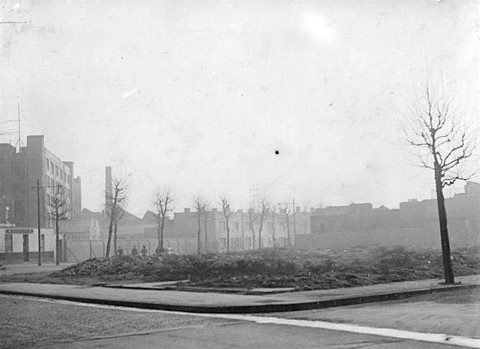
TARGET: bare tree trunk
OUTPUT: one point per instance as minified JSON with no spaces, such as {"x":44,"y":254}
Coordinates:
{"x":57,"y":241}
{"x":228,"y":235}
{"x":260,"y":236}
{"x":111,"y":225}
{"x":159,"y":233}
{"x":162,"y":226}
{"x":442,"y":216}
{"x":115,"y":239}
{"x":110,"y":232}
{"x":199,"y":229}
{"x":253,"y":237}
{"x":252,"y":228}
{"x":205,"y":229}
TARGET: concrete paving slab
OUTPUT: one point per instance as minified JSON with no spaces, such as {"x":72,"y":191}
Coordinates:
{"x":204,"y":302}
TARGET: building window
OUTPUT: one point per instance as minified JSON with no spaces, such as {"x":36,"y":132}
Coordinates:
{"x":8,"y":243}
{"x":42,"y":243}
{"x":48,"y":164}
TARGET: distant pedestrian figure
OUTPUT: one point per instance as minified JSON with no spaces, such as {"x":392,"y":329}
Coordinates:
{"x":144,"y":251}
{"x":134,"y":251}
{"x":120,"y":252}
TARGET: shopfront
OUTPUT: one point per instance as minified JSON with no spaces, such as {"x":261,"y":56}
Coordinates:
{"x":20,"y":245}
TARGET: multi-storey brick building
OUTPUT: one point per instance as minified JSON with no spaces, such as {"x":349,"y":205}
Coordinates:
{"x":19,"y":172}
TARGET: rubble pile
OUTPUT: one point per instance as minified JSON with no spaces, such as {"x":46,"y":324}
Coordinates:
{"x":281,"y":268}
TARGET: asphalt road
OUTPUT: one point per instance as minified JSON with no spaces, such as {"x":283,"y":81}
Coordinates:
{"x":248,"y":335}
{"x":453,"y":312}
{"x":39,"y":323}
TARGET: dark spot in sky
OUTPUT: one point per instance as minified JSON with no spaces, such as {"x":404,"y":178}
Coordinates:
{"x":277,"y":152}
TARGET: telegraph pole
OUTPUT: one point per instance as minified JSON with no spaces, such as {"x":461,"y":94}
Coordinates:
{"x":38,"y":222}
{"x":38,"y":186}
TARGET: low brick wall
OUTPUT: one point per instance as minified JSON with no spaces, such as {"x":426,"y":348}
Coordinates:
{"x":17,"y":257}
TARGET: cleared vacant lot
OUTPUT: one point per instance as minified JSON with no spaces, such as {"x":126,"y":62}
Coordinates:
{"x":268,"y":268}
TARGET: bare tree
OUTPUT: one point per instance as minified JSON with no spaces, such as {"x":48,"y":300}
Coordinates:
{"x":163,"y":202}
{"x":227,"y":213}
{"x":60,"y":210}
{"x":286,"y":214}
{"x":115,"y":200}
{"x":201,"y":208}
{"x":443,"y":145}
{"x":263,"y":213}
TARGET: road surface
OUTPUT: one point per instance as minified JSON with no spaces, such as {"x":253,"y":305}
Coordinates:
{"x":26,"y":322}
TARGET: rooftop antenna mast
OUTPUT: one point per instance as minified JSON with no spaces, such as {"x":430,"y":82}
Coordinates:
{"x":10,"y":132}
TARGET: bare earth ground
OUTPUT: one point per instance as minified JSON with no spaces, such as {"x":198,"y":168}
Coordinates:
{"x":453,"y":313}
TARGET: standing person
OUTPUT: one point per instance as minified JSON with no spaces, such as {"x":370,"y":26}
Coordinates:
{"x":134,"y":251}
{"x":144,"y":251}
{"x":120,"y":251}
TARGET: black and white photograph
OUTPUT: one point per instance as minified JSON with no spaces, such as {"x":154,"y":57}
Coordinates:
{"x":240,"y":174}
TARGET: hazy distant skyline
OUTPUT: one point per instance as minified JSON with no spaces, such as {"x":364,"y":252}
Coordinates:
{"x":198,"y":95}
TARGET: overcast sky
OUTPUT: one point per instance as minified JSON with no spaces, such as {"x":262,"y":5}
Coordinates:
{"x":198,"y":95}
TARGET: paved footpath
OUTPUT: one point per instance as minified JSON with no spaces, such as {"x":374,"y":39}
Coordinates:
{"x":202,"y":302}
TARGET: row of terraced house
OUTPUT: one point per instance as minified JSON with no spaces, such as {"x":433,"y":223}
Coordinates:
{"x":413,"y":224}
